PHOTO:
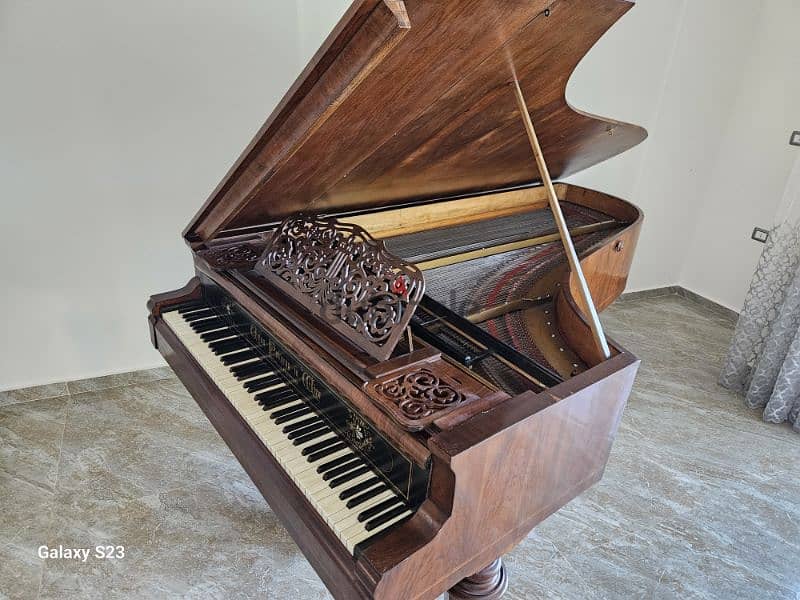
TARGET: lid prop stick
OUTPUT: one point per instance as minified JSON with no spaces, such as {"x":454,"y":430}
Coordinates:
{"x":555,"y":207}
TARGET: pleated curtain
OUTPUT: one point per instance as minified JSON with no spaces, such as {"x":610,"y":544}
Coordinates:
{"x":763,"y":362}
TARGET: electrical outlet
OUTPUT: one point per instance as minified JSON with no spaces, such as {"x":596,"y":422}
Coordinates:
{"x":759,"y":235}
{"x":795,"y":139}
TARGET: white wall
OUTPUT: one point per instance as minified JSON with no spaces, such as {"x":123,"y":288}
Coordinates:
{"x":625,"y":77}
{"x":316,"y":19}
{"x":700,"y":79}
{"x":751,"y":166}
{"x":116,"y":121}
{"x":717,"y":159}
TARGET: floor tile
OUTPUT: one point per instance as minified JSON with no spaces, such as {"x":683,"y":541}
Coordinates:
{"x":140,"y":440}
{"x":29,"y":394}
{"x":20,"y":573}
{"x":119,"y":380}
{"x":204,"y":541}
{"x":26,"y":512}
{"x":30,"y":439}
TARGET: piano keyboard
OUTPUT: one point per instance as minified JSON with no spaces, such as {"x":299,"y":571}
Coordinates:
{"x":353,"y":500}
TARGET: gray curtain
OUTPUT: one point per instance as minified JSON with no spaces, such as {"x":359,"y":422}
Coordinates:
{"x":763,"y":362}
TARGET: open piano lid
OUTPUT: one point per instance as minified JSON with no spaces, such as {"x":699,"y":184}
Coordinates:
{"x":411,"y":100}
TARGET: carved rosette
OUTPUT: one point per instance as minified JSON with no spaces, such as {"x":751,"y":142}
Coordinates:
{"x":420,"y":393}
{"x":418,"y":397}
{"x":346,"y":277}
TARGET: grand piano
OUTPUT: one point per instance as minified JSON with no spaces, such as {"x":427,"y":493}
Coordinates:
{"x":385,"y":325}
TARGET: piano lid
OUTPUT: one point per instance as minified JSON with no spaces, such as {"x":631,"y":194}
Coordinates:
{"x":411,"y":100}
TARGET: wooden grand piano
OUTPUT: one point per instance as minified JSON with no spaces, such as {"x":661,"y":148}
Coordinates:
{"x":385,"y":325}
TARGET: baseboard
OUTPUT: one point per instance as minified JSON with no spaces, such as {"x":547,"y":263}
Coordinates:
{"x":677,"y":290}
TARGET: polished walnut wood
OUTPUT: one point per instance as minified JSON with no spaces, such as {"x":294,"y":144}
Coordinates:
{"x":385,"y":114}
{"x":403,"y":122}
{"x":434,"y":392}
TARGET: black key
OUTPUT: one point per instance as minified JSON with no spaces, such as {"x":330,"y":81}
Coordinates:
{"x":332,"y":464}
{"x":240,"y":356}
{"x":278,"y":401}
{"x":236,"y":369}
{"x":195,"y":322}
{"x":332,"y":412}
{"x":300,"y":413}
{"x":312,"y":435}
{"x":275,"y":394}
{"x":225,"y":346}
{"x":288,"y":410}
{"x":342,"y":469}
{"x":198,"y":314}
{"x":252,"y":369}
{"x":300,"y":424}
{"x":191,"y":306}
{"x":262,"y":383}
{"x":208,"y":325}
{"x":219,"y":334}
{"x":361,"y":498}
{"x":267,"y":370}
{"x":359,"y":487}
{"x":319,"y":446}
{"x":387,"y":516}
{"x":327,"y":452}
{"x":374,"y":511}
{"x":349,"y":476}
{"x":308,"y":430}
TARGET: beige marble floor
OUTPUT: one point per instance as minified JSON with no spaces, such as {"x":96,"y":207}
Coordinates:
{"x":700,"y":499}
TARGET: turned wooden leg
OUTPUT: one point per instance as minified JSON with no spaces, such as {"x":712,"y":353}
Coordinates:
{"x":487,"y":584}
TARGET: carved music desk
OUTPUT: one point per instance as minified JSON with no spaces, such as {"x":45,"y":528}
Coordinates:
{"x":393,"y":322}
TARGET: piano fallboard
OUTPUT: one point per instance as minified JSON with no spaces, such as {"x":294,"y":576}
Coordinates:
{"x":406,"y":478}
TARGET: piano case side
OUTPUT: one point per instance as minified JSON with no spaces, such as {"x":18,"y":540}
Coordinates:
{"x":513,"y":467}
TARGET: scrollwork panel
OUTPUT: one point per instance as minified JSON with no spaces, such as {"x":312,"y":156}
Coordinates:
{"x":420,"y":396}
{"x":343,"y":275}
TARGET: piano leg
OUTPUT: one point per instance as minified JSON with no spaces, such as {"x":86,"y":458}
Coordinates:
{"x":490,"y":583}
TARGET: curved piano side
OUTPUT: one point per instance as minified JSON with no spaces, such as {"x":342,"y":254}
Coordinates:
{"x":605,"y":266}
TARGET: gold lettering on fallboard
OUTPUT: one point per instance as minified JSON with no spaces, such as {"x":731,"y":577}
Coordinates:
{"x":356,"y":430}
{"x":311,"y":385}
